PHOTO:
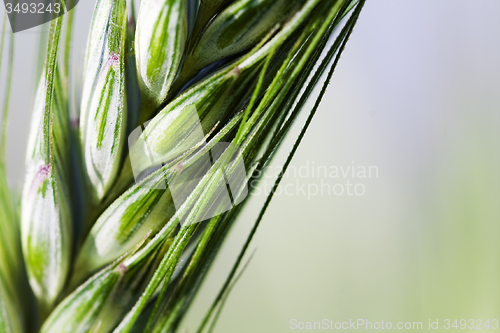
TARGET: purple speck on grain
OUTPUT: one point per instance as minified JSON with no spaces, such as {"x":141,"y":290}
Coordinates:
{"x":42,"y":174}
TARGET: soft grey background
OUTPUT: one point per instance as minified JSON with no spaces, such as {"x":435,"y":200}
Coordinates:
{"x":417,"y":93}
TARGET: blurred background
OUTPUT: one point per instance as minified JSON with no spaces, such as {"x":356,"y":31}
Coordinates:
{"x":416,"y":96}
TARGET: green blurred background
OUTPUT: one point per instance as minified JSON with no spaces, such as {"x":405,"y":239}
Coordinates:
{"x":416,"y":94}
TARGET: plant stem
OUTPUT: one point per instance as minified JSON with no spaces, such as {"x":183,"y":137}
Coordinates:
{"x":6,"y":103}
{"x":3,"y":137}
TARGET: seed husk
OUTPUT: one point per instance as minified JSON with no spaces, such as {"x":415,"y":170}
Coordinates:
{"x":103,"y":115}
{"x":160,"y":40}
{"x":236,"y":29}
{"x":46,"y":224}
{"x":79,"y":311}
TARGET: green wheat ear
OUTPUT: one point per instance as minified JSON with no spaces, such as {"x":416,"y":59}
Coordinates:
{"x":236,"y":76}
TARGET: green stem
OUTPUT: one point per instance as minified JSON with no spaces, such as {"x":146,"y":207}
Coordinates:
{"x":4,"y":114}
{"x":6,"y":103}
